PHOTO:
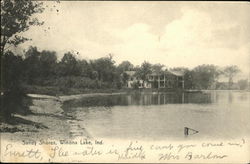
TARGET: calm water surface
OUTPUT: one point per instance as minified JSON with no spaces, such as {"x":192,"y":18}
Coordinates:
{"x":215,"y":114}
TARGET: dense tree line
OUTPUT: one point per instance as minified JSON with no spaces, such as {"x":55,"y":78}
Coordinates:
{"x":42,"y":68}
{"x":16,"y":17}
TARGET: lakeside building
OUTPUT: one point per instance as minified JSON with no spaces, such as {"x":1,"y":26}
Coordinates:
{"x":165,"y":79}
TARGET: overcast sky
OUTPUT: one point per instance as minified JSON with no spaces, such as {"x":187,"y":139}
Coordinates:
{"x":171,"y":33}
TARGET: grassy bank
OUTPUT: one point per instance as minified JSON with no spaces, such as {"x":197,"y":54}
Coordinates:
{"x":59,"y":91}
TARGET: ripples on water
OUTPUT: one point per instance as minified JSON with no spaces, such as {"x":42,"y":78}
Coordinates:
{"x":215,"y":114}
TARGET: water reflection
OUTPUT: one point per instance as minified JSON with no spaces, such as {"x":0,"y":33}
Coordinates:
{"x":215,"y":114}
{"x":230,"y":97}
{"x":141,"y":99}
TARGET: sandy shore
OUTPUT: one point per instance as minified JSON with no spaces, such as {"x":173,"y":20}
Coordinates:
{"x":47,"y":121}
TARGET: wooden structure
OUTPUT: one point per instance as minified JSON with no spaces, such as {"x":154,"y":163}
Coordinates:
{"x":166,"y":79}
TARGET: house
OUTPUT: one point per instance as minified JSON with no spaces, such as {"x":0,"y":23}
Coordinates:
{"x":165,"y":79}
{"x":132,"y":79}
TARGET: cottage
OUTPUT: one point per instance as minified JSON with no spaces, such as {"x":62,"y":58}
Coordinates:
{"x":166,"y":79}
{"x":132,"y":79}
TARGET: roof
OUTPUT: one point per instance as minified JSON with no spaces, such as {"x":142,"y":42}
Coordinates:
{"x":130,"y":73}
{"x":177,"y":73}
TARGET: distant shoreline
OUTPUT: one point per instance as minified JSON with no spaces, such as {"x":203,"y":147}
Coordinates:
{"x":56,"y":91}
{"x":67,"y":97}
{"x":47,"y":113}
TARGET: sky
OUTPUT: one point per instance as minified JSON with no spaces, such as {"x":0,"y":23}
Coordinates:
{"x":171,"y":33}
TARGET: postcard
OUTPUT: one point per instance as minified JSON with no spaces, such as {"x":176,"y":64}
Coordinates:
{"x":125,"y":82}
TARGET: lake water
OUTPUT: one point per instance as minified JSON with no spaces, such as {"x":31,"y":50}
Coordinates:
{"x":215,"y":114}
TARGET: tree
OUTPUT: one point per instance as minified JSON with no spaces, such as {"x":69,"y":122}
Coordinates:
{"x":84,"y":67}
{"x":12,"y":98}
{"x":188,"y":79}
{"x":204,"y":76}
{"x":157,"y":68}
{"x":125,"y":66}
{"x":68,"y":65}
{"x":230,"y":72}
{"x":243,"y":84}
{"x":32,"y":64}
{"x":12,"y":72}
{"x":105,"y":68}
{"x":124,"y":78}
{"x":39,"y":64}
{"x":179,"y":69}
{"x":121,"y":75}
{"x":144,"y":71}
{"x":16,"y":17}
{"x":48,"y":61}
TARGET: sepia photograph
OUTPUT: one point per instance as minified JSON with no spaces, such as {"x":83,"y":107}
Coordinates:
{"x":125,"y":81}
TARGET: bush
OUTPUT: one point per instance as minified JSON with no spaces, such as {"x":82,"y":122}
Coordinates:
{"x":75,"y":82}
{"x":243,"y":84}
{"x":135,"y":85}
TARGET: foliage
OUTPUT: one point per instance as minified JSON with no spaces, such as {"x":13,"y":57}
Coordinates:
{"x":48,"y":61}
{"x":68,"y":65}
{"x":39,"y":64}
{"x":13,"y":99}
{"x":41,"y":68}
{"x":16,"y":17}
{"x":12,"y":72}
{"x":230,"y":72}
{"x":188,"y":79}
{"x":144,"y":71}
{"x":125,"y":78}
{"x":85,"y":69}
{"x":125,"y":66}
{"x":157,"y":68}
{"x":105,"y":68}
{"x":135,"y":85}
{"x":243,"y":84}
{"x":204,"y":76}
{"x":180,"y":69}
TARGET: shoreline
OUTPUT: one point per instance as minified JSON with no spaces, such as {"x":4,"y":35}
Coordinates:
{"x":47,"y":118}
{"x":63,"y":92}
